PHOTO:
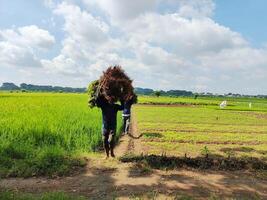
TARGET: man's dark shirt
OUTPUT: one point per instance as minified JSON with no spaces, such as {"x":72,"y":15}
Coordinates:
{"x":109,"y":114}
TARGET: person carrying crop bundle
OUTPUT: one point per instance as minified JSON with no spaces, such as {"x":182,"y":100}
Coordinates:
{"x":113,"y":86}
{"x":126,"y":113}
{"x":109,"y":124}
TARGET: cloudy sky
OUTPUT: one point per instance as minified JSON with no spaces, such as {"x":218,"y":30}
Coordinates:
{"x":199,"y":45}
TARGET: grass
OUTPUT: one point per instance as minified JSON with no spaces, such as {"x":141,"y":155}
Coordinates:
{"x":233,"y":103}
{"x":176,"y":100}
{"x":9,"y":195}
{"x":186,"y":130}
{"x":44,"y":133}
{"x":154,"y":194}
{"x":48,"y":133}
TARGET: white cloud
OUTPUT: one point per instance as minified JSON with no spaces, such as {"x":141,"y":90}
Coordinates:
{"x":82,"y":26}
{"x":87,"y":43}
{"x":237,"y":59}
{"x":180,"y":46}
{"x":121,"y":10}
{"x":36,"y":37}
{"x":17,"y":56}
{"x":183,"y":36}
{"x":49,"y":3}
{"x":18,"y":47}
{"x":61,"y":64}
{"x":156,"y":57}
{"x":196,"y":8}
{"x":28,"y":36}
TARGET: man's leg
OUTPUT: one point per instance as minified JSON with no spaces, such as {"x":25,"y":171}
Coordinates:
{"x":105,"y":141}
{"x":124,"y":125}
{"x":127,"y":126}
{"x":112,"y":142}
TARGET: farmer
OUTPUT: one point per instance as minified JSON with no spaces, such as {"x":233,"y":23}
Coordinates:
{"x":126,"y":114}
{"x":109,"y":124}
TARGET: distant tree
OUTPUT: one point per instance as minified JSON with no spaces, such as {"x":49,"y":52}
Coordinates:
{"x":195,"y":96}
{"x":49,"y":88}
{"x":157,"y":93}
{"x":179,"y":93}
{"x":143,"y":91}
{"x":9,"y":86}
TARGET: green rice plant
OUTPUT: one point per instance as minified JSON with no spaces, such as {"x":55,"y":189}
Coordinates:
{"x":205,"y":151}
{"x":42,"y":133}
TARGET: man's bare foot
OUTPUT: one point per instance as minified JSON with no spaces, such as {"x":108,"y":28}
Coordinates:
{"x":106,"y":157}
{"x":112,"y":155}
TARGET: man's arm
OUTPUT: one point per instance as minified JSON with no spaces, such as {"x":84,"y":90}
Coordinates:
{"x":101,"y":102}
{"x":120,"y":107}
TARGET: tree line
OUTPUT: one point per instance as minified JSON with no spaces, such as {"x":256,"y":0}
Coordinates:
{"x":148,"y":91}
{"x":139,"y":91}
{"x":48,"y":88}
{"x":39,"y":88}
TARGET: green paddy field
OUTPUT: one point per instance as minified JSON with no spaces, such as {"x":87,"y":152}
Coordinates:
{"x":47,"y":133}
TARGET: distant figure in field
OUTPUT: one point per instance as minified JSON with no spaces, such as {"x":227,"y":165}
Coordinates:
{"x":250,"y":105}
{"x":223,"y":104}
{"x":109,"y":124}
{"x":126,"y":114}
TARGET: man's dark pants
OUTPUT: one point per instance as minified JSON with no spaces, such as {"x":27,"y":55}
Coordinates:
{"x":109,"y":140}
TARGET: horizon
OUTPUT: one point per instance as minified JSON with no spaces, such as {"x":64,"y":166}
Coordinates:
{"x":200,"y":46}
{"x":173,"y":89}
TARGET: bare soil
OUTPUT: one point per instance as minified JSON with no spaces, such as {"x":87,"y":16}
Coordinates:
{"x":167,"y":105}
{"x":109,"y":179}
{"x":206,"y":142}
{"x":199,"y":131}
{"x":257,"y":115}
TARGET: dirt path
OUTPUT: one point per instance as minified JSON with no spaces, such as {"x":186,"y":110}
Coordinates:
{"x":109,"y":179}
{"x":130,"y":143}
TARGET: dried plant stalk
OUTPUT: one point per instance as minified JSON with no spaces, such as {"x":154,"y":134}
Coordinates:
{"x":114,"y":85}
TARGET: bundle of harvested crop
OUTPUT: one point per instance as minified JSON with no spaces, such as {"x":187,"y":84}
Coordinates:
{"x":93,"y":93}
{"x":114,"y":85}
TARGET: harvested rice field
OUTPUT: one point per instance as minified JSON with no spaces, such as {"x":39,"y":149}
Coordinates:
{"x":194,"y":130}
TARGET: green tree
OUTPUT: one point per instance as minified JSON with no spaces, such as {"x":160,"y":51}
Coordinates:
{"x":157,"y":93}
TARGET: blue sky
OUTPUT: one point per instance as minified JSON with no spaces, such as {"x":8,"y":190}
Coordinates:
{"x":215,"y":46}
{"x":245,"y":16}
